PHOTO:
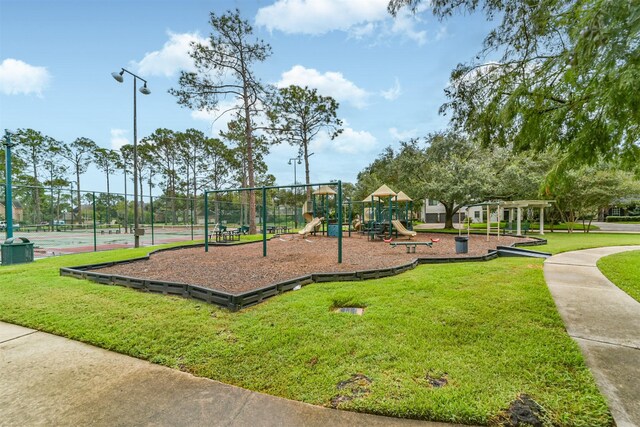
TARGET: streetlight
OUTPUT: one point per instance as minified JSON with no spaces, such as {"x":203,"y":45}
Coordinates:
{"x":8,"y":197}
{"x":145,"y":91}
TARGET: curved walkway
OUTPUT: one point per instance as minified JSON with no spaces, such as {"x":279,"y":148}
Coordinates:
{"x":49,"y":380}
{"x":605,"y":322}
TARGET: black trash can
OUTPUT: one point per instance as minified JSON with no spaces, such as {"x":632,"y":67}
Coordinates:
{"x":15,"y":252}
{"x":462,"y":244}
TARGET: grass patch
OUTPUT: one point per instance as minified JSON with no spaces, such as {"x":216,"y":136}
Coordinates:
{"x":490,"y":329}
{"x":563,"y":242}
{"x":623,"y":270}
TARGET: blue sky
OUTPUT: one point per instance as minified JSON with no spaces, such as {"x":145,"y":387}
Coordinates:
{"x":388,"y":74}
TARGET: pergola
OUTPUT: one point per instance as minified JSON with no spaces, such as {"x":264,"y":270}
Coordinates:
{"x":518,"y":205}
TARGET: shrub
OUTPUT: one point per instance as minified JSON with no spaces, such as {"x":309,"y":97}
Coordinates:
{"x":612,"y":218}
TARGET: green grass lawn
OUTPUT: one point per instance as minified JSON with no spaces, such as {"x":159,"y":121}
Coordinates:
{"x":491,"y":329}
{"x":624,"y":271}
{"x":563,"y":242}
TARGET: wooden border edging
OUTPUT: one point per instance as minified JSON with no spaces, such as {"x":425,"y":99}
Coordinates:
{"x":235,"y":302}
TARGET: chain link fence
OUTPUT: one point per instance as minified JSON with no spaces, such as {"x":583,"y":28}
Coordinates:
{"x":67,"y":220}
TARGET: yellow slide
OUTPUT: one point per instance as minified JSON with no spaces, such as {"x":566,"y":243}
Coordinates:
{"x":315,"y":223}
{"x":401,"y":230}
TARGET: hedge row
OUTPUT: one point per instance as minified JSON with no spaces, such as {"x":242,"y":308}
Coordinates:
{"x":611,"y":218}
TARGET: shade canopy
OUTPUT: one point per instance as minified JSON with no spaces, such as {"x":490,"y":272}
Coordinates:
{"x":371,"y":198}
{"x":383,"y":191}
{"x":402,"y":197}
{"x":526,"y":204}
{"x":324,"y":190}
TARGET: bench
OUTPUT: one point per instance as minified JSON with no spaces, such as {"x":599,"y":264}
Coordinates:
{"x":411,"y":246}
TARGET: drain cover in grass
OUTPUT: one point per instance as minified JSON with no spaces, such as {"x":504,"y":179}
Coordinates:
{"x":351,"y":310}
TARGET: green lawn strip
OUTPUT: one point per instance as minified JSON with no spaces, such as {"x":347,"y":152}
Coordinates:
{"x":623,"y":270}
{"x":563,"y":242}
{"x":491,"y":328}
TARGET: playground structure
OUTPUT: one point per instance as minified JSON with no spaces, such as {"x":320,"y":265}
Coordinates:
{"x":323,"y":190}
{"x":381,"y":219}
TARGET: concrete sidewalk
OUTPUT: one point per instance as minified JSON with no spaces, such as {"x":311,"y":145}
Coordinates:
{"x":605,"y":322}
{"x":50,"y":380}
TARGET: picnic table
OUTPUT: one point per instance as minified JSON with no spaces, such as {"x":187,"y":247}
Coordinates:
{"x":411,"y":246}
{"x":227,"y":235}
{"x":280,"y":229}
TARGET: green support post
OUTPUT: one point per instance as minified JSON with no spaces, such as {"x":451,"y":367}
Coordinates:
{"x":153,"y":240}
{"x":390,"y":213}
{"x":95,"y":235}
{"x":350,"y":217}
{"x":206,"y":221}
{"x":8,"y":197}
{"x":339,"y":207}
{"x":264,"y":221}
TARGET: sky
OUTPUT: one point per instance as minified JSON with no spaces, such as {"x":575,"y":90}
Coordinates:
{"x":388,"y":74}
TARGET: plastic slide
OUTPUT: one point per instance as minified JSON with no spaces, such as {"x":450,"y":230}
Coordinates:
{"x":401,"y":230}
{"x":315,"y":223}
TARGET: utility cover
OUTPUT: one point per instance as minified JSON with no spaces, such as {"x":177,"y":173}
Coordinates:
{"x":351,"y":310}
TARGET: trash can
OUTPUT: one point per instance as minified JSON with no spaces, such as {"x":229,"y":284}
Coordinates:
{"x":15,"y":252}
{"x":462,"y":244}
{"x":333,"y":230}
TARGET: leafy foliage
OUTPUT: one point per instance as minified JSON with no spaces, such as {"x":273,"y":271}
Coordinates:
{"x":568,"y":77}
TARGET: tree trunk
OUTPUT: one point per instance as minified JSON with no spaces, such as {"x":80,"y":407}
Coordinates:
{"x":448,"y":215}
{"x":306,"y":168}
{"x":36,"y":195}
{"x":250,"y":169}
{"x":108,"y":199}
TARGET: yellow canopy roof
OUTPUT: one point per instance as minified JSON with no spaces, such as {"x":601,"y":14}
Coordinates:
{"x":403,"y":197}
{"x":369,"y":197}
{"x":384,"y":191}
{"x":324,"y":189}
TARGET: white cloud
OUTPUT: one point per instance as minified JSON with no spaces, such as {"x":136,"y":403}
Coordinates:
{"x":18,"y":77}
{"x":398,"y":135}
{"x":328,"y":84}
{"x":118,"y":138}
{"x":320,"y":16}
{"x":173,"y":57}
{"x":393,"y":92}
{"x":405,"y":24}
{"x":348,"y":142}
{"x":354,"y":142}
{"x":361,"y":18}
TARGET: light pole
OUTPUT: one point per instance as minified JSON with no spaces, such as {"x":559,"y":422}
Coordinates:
{"x":8,"y":197}
{"x":145,"y":91}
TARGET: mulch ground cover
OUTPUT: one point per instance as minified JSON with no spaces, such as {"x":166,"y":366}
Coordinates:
{"x":241,"y":268}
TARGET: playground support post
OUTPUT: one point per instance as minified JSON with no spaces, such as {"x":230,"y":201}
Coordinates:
{"x":206,"y":221}
{"x":95,"y":231}
{"x":8,"y":197}
{"x":264,"y":221}
{"x":339,"y":208}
